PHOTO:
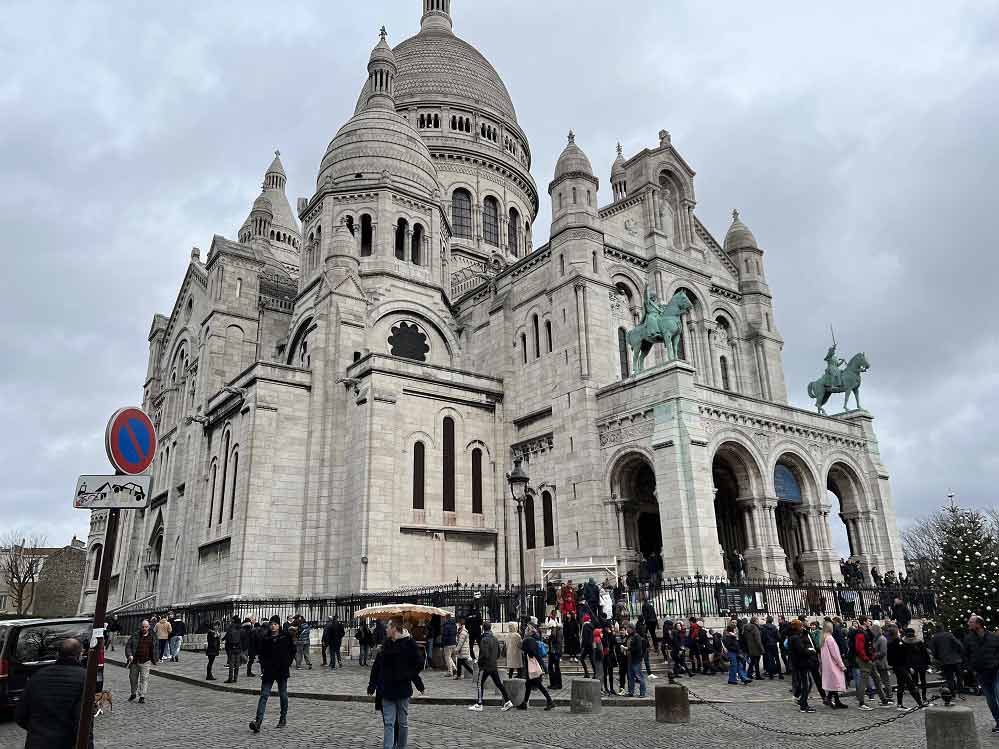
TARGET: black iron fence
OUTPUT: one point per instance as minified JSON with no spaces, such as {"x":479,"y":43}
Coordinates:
{"x":673,"y":598}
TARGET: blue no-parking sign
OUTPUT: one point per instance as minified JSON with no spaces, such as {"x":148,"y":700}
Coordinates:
{"x":130,"y":440}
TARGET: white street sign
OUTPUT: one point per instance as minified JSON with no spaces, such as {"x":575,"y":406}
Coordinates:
{"x":103,"y":492}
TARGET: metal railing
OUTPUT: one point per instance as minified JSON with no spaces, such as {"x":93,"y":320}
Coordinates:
{"x":673,"y":598}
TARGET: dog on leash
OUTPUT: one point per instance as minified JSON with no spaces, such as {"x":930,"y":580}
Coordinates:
{"x":103,"y":702}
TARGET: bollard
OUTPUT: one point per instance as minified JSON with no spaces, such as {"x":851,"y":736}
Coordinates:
{"x":951,"y":727}
{"x":672,"y":704}
{"x":585,"y":696}
{"x":516,"y":689}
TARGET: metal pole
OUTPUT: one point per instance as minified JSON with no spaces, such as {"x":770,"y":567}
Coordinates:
{"x":520,"y":543}
{"x":96,"y":652}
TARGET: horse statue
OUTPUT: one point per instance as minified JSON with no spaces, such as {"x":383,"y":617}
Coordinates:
{"x":836,"y":380}
{"x":660,"y":324}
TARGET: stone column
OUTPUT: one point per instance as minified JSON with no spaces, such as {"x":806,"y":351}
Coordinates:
{"x":763,"y":552}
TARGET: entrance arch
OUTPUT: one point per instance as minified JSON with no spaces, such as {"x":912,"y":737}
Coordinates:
{"x":633,"y":484}
{"x":736,"y":475}
{"x":798,"y":531}
{"x":845,"y":490}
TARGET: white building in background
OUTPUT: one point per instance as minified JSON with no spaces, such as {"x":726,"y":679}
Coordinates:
{"x":340,"y":390}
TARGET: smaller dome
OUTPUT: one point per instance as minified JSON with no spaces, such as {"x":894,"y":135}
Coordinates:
{"x":572,"y":160}
{"x":617,"y":170}
{"x":382,"y":53}
{"x":263,"y":203}
{"x":276,"y":166}
{"x":739,"y":236}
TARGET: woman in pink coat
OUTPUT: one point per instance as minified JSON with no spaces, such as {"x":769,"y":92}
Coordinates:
{"x":833,"y":670}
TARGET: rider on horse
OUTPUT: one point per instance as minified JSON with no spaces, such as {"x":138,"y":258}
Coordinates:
{"x":652,"y":311}
{"x":833,"y":372}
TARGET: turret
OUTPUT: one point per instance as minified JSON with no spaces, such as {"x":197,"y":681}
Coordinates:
{"x":436,"y":15}
{"x":742,"y":249}
{"x":574,"y":190}
{"x":381,"y":75}
{"x":619,"y":178}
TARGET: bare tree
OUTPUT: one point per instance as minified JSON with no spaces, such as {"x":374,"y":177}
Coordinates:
{"x":20,"y":563}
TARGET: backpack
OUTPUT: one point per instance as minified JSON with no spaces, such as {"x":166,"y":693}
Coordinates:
{"x":542,"y":649}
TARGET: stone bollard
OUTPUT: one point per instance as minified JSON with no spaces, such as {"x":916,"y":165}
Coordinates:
{"x":585,"y":696}
{"x":516,"y":689}
{"x":951,"y":728}
{"x":672,"y":704}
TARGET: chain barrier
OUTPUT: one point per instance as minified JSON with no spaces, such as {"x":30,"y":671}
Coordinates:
{"x":807,"y":734}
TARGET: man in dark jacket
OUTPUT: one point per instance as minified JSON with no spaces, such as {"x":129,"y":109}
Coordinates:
{"x":177,"y":631}
{"x":141,"y":654}
{"x":901,"y":614}
{"x":636,"y":649}
{"x":473,"y":623}
{"x":50,"y":707}
{"x":365,"y":640}
{"x":586,"y":647}
{"x":276,"y":652}
{"x":947,"y":650}
{"x":982,"y":650}
{"x":770,"y":637}
{"x":248,"y":644}
{"x":754,"y":647}
{"x":803,"y":659}
{"x":449,"y":639}
{"x":651,"y":621}
{"x":233,"y":639}
{"x":396,"y":670}
{"x":489,"y":651}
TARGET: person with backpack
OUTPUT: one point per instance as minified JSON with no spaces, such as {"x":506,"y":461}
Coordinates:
{"x":233,"y":639}
{"x":898,"y":659}
{"x":489,"y":650}
{"x":533,"y":653}
{"x":864,"y":650}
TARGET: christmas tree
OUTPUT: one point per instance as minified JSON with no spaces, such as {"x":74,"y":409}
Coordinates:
{"x":967,"y":576}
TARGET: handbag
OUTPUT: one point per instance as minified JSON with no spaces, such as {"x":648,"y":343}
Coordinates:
{"x":534,"y":670}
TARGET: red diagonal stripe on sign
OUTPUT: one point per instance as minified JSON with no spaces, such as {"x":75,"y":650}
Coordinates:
{"x":135,"y":443}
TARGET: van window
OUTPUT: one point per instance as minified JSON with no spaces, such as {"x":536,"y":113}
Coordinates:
{"x":40,"y":642}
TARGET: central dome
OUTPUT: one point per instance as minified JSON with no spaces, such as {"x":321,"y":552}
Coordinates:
{"x":435,"y":64}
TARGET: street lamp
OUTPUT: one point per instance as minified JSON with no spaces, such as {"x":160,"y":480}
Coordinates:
{"x":518,"y":480}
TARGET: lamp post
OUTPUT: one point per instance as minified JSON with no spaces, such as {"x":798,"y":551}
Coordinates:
{"x":518,"y":480}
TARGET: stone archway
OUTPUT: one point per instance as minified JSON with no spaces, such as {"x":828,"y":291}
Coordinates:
{"x":845,"y":490}
{"x":633,"y":486}
{"x":736,"y":477}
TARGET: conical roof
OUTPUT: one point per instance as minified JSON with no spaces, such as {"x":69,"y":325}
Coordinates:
{"x":739,"y":237}
{"x":617,"y":170}
{"x":573,"y":160}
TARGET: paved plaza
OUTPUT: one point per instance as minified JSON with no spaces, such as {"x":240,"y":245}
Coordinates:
{"x":180,"y":714}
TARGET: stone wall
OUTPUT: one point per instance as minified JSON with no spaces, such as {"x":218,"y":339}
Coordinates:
{"x":58,"y":590}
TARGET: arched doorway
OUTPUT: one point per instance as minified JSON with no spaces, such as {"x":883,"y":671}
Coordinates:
{"x":850,"y":537}
{"x":633,"y":483}
{"x":736,"y":475}
{"x":794,"y":490}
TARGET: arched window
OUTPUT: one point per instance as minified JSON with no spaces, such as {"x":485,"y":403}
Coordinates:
{"x":349,"y":222}
{"x":98,"y":553}
{"x":416,"y":252}
{"x":561,"y":264}
{"x":211,"y":496}
{"x":225,"y":467}
{"x":437,"y":120}
{"x":595,"y":262}
{"x":548,"y":516}
{"x":454,"y":122}
{"x":574,"y":196}
{"x":513,"y":232}
{"x":561,"y":201}
{"x":400,"y":239}
{"x":448,"y":482}
{"x":477,"y":481}
{"x":461,"y":214}
{"x":530,"y":540}
{"x":537,"y":336}
{"x":523,"y":346}
{"x":235,"y":475}
{"x":490,"y":221}
{"x":419,"y":456}
{"x":622,"y":352}
{"x":548,"y":334}
{"x":366,"y":235}
{"x":724,"y":374}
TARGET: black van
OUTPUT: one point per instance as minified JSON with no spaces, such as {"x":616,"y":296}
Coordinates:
{"x":27,"y":645}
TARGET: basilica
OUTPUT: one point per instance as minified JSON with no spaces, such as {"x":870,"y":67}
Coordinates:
{"x":343,"y":385}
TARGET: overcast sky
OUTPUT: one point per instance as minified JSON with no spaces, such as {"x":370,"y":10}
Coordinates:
{"x":859,"y":141}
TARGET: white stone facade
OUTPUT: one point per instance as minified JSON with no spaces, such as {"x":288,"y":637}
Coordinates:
{"x":404,"y":319}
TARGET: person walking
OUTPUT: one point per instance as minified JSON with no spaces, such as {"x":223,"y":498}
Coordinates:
{"x":651,"y":620}
{"x":534,"y":668}
{"x":473,"y":624}
{"x":898,"y":660}
{"x":570,"y":632}
{"x":395,"y":672}
{"x":802,"y":655}
{"x":586,"y":647}
{"x":233,"y":639}
{"x":302,"y":642}
{"x":982,"y":650}
{"x":463,"y":651}
{"x":336,"y":643}
{"x":365,"y":640}
{"x":881,"y":659}
{"x":635,"y":674}
{"x":769,"y":638}
{"x":833,"y":668}
{"x":754,"y":647}
{"x":212,"y":648}
{"x":489,"y":650}
{"x":555,"y":647}
{"x":449,"y":640}
{"x":49,"y":708}
{"x":276,"y":651}
{"x":736,"y":672}
{"x":112,"y":628}
{"x":865,"y":651}
{"x":917,"y":658}
{"x":949,"y":653}
{"x":177,"y":631}
{"x":514,"y":655}
{"x":163,"y":630}
{"x":327,"y":640}
{"x":247,"y":646}
{"x":141,"y":654}
{"x":901,"y":614}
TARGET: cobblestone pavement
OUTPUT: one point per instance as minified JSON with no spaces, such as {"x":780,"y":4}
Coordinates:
{"x":183,"y":715}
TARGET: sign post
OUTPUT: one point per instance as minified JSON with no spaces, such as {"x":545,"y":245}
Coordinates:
{"x":130,"y":441}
